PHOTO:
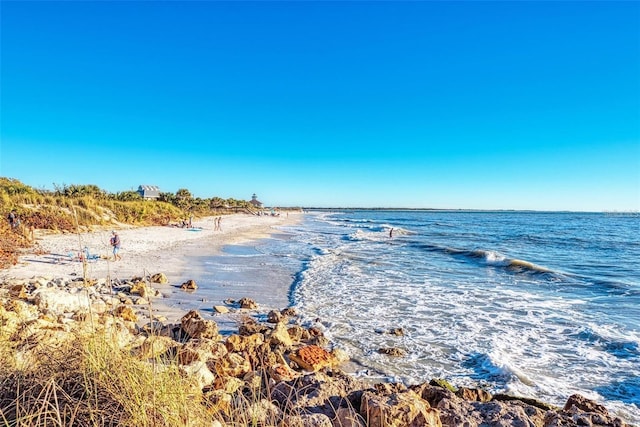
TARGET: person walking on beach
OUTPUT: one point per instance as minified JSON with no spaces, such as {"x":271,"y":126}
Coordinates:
{"x":115,"y":242}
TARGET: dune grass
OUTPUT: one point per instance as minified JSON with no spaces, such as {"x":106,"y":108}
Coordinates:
{"x":89,"y":381}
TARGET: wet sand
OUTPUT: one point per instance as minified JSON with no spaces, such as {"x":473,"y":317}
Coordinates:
{"x":150,"y":250}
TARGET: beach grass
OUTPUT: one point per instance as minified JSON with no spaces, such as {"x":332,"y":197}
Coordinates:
{"x":89,"y":381}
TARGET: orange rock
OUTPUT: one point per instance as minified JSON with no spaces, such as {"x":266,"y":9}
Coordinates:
{"x":313,"y":358}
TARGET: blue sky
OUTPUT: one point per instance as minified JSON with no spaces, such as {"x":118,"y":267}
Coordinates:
{"x":485,"y":105}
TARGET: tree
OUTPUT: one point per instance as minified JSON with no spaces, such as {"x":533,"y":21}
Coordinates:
{"x":184,"y":198}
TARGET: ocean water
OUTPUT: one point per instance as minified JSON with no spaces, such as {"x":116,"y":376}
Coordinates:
{"x":540,"y":305}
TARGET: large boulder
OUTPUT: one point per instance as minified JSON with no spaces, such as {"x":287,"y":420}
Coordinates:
{"x":398,"y":409}
{"x":197,"y":327}
{"x":248,"y":343}
{"x":580,"y":411}
{"x":231,"y":365}
{"x":201,"y":350}
{"x":200,"y":373}
{"x":313,"y":358}
{"x":280,"y":336}
{"x":60,"y":301}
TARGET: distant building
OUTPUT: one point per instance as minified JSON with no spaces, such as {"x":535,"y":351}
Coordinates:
{"x":149,"y":192}
{"x":255,"y":202}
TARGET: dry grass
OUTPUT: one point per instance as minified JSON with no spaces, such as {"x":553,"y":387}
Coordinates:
{"x":88,"y":381}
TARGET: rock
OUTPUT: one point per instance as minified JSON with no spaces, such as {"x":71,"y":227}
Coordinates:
{"x":506,"y":414}
{"x":533,"y":402}
{"x":99,"y":306}
{"x":189,"y":285}
{"x":392,"y":351}
{"x":127,"y":301}
{"x":59,"y":301}
{"x":159,"y":278}
{"x":200,"y":373}
{"x":439,"y":382}
{"x":289,"y":312}
{"x":307,"y":420}
{"x":320,"y":391}
{"x":125,"y":312}
{"x":262,"y":413}
{"x":580,"y":411}
{"x":340,"y":355}
{"x":583,"y":404}
{"x":474,"y":394}
{"x":313,"y":358}
{"x":248,"y":303}
{"x":274,"y":317}
{"x":253,"y":380}
{"x":229,"y":385}
{"x":282,"y":372}
{"x":231,"y":365}
{"x":249,"y":326}
{"x":348,"y":417}
{"x":280,"y":336}
{"x":296,"y":332}
{"x":18,"y":291}
{"x":155,"y":346}
{"x":218,"y":401}
{"x":194,"y":325}
{"x":221,"y":309}
{"x":141,"y":289}
{"x":315,"y":331}
{"x":23,"y":310}
{"x":155,"y":328}
{"x":240,"y":343}
{"x":398,"y":409}
{"x":201,"y":350}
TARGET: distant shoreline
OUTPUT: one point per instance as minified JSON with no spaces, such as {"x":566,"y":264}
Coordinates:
{"x":319,"y":209}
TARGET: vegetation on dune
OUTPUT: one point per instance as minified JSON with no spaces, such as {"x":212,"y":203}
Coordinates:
{"x":69,"y":207}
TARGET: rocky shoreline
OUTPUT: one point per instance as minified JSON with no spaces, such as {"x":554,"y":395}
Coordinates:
{"x":288,"y":371}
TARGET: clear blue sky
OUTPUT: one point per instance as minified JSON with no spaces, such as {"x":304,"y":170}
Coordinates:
{"x":496,"y":105}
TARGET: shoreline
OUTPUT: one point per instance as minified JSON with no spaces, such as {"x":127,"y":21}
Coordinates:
{"x":149,"y":250}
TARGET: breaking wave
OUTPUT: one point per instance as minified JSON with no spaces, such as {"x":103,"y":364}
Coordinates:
{"x":494,"y":258}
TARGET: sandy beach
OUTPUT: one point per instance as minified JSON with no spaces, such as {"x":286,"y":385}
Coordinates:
{"x":149,"y":250}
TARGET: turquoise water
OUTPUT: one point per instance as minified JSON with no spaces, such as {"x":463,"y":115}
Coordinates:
{"x":542,"y":305}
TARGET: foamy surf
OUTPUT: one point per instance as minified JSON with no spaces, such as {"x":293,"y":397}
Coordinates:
{"x":474,"y":284}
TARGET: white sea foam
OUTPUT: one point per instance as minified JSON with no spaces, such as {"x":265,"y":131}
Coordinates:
{"x":536,"y":334}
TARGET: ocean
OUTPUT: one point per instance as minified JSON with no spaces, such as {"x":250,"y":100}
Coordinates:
{"x":535,"y":304}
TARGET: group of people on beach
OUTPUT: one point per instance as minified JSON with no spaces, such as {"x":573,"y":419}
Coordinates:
{"x":216,"y":224}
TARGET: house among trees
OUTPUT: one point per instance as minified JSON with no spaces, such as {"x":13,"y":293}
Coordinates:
{"x":149,"y":192}
{"x":255,"y":202}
